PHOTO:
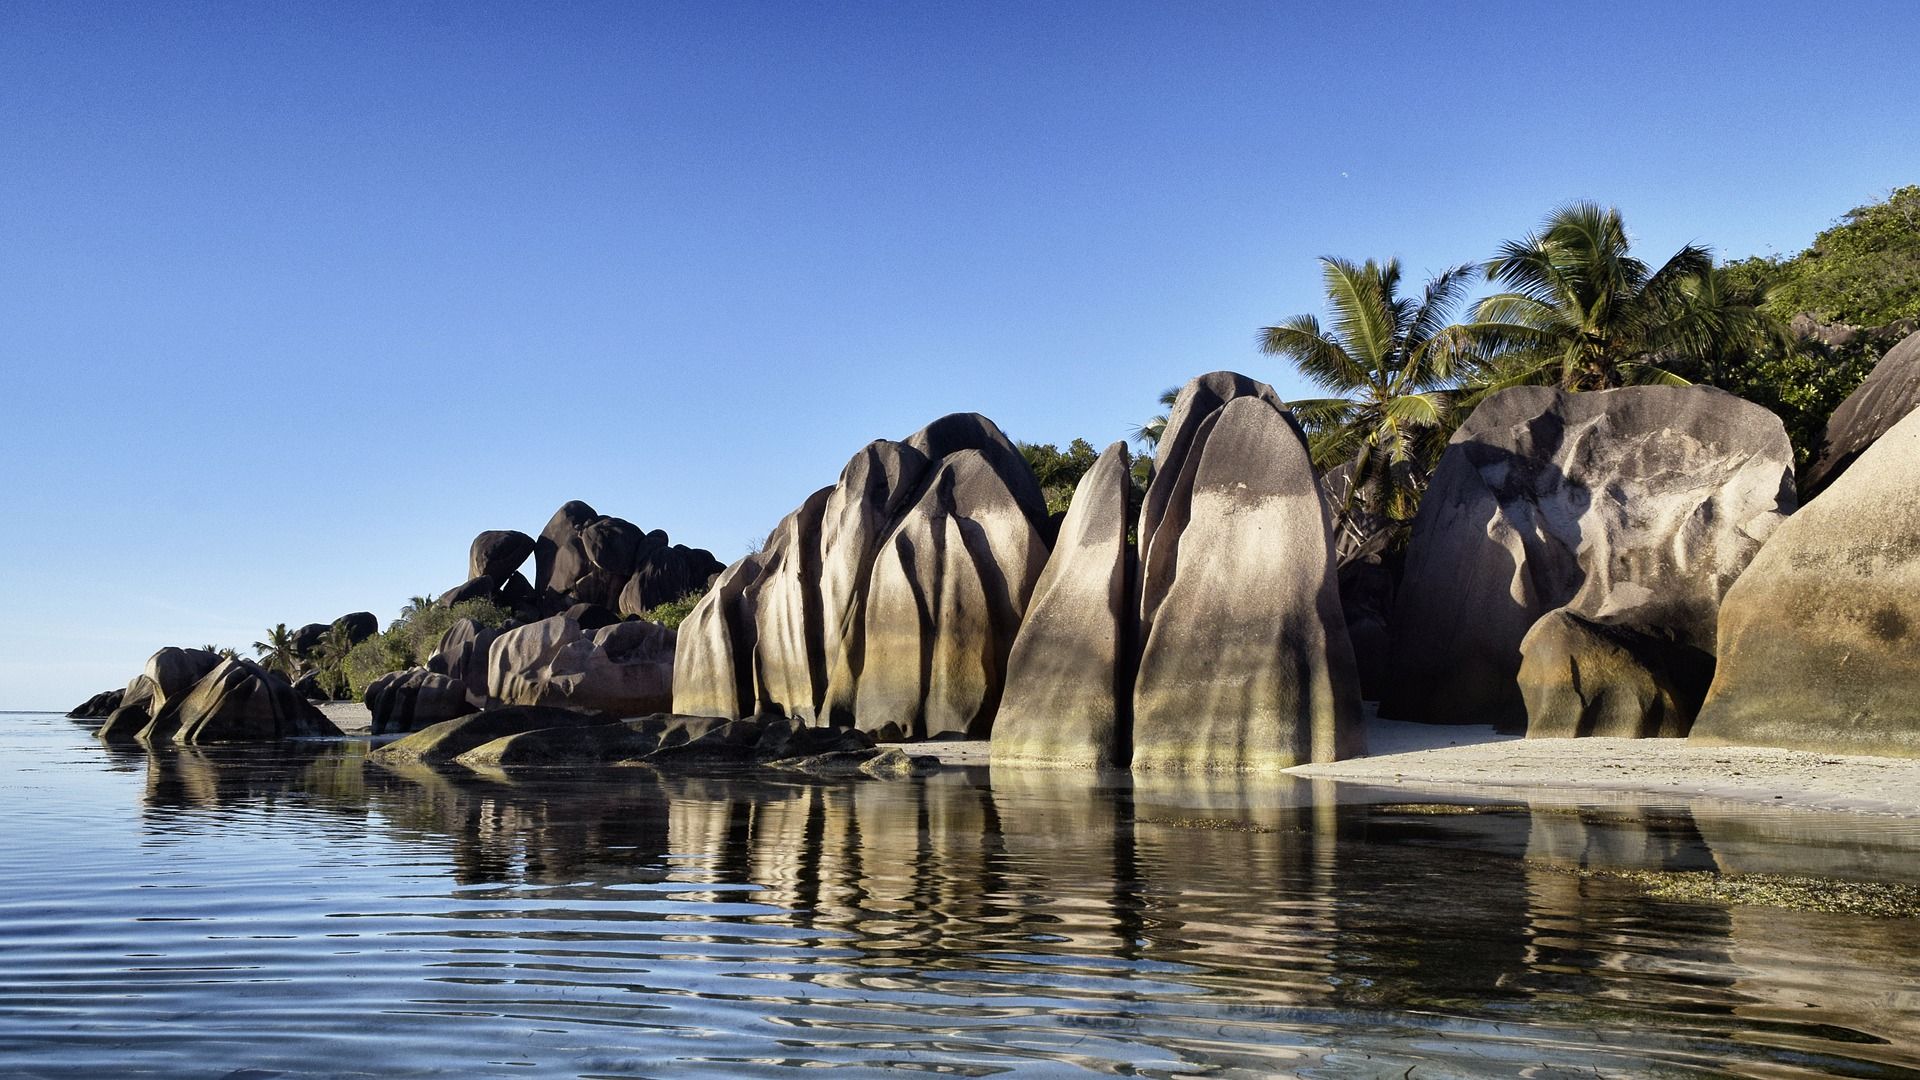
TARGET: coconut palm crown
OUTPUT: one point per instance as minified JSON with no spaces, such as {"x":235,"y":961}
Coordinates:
{"x":1391,"y":359}
{"x":1579,"y":310}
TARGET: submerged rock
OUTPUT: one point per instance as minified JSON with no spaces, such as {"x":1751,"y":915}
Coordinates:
{"x":1635,"y":508}
{"x":1819,"y":640}
{"x":449,"y":739}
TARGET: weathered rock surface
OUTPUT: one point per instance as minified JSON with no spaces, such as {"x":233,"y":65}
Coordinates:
{"x":449,"y":739}
{"x":498,"y":553}
{"x":99,"y":706}
{"x":946,"y":529}
{"x":661,"y":739}
{"x":1582,"y":677}
{"x":308,"y":686}
{"x":1245,"y":664}
{"x":946,"y":598}
{"x":1819,"y":641}
{"x":461,"y":654}
{"x":168,"y":676}
{"x":238,"y":701}
{"x":403,"y":701}
{"x":625,"y":669}
{"x":360,"y":625}
{"x":1069,"y":685}
{"x":1883,"y":400}
{"x":480,"y":588}
{"x":307,"y":638}
{"x":1636,"y":508}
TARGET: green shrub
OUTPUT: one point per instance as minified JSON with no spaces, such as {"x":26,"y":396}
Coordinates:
{"x":410,"y":639}
{"x":674,"y":612}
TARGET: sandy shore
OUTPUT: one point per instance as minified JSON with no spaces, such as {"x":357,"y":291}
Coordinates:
{"x":350,"y":717}
{"x":1476,"y":760}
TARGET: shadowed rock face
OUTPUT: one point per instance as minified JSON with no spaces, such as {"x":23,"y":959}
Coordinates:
{"x":624,"y":669}
{"x":461,"y":655}
{"x":1634,"y":508}
{"x":1820,"y":639}
{"x":498,"y":553}
{"x":1580,"y":677}
{"x":1245,"y":664}
{"x":1875,"y":406}
{"x":402,"y":701}
{"x":1069,"y":692}
{"x":836,"y":619}
{"x":238,"y":701}
{"x":583,"y":556}
{"x":99,"y":706}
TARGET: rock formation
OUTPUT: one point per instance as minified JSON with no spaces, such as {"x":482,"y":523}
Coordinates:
{"x":1883,"y":400}
{"x":624,"y":669}
{"x":1819,"y":641}
{"x":498,"y":553}
{"x":402,"y":701}
{"x":238,"y":701}
{"x":1245,"y":665}
{"x":461,"y":655}
{"x":167,"y":677}
{"x":1634,"y":509}
{"x":1579,"y":677}
{"x":99,"y":706}
{"x":1069,"y":692}
{"x":889,"y":600}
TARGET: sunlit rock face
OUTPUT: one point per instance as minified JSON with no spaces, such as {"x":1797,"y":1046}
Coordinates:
{"x":1820,"y":639}
{"x":888,"y":601}
{"x":168,"y":676}
{"x":237,"y":701}
{"x":1634,"y":508}
{"x":1875,"y":406}
{"x":623,"y":669}
{"x":1245,"y":665}
{"x":1069,"y":693}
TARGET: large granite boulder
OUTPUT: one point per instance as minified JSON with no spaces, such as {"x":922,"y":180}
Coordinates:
{"x":1634,"y":508}
{"x":1245,"y":664}
{"x":1069,"y":687}
{"x":926,"y":546}
{"x":1582,"y":677}
{"x":790,"y":659}
{"x":946,"y":598}
{"x":1883,"y":400}
{"x":498,"y":553}
{"x":307,"y":638}
{"x":410,"y":700}
{"x":168,"y":676}
{"x":1819,"y":641}
{"x":360,"y":625}
{"x":461,"y":655}
{"x":625,"y":669}
{"x":480,"y":588}
{"x":99,"y":706}
{"x":238,"y":701}
{"x":713,"y":669}
{"x":562,"y":530}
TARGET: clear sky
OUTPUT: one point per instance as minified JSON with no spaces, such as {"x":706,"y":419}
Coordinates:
{"x":296,"y":299}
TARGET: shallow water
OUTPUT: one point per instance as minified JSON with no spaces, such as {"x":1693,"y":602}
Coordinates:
{"x":258,"y":913}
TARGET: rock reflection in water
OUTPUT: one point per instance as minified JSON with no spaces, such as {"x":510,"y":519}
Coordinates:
{"x":1176,"y":922}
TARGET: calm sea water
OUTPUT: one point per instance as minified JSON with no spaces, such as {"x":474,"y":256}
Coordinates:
{"x":289,"y":912}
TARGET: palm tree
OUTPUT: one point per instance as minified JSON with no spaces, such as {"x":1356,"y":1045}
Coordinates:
{"x":331,"y":659}
{"x":1579,"y":310}
{"x":276,"y":650}
{"x":1720,"y":324}
{"x":1392,"y":360}
{"x":1150,"y":432}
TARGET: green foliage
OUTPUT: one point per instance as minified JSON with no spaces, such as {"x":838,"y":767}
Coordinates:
{"x":1149,"y":433}
{"x":674,"y":612}
{"x":1579,"y":310}
{"x":1803,"y":383}
{"x":1864,"y":271}
{"x":1391,"y":359}
{"x":1059,"y":471}
{"x":410,"y":639}
{"x":276,"y":651}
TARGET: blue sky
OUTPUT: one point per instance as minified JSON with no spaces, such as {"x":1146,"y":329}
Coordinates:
{"x":294,"y":300}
